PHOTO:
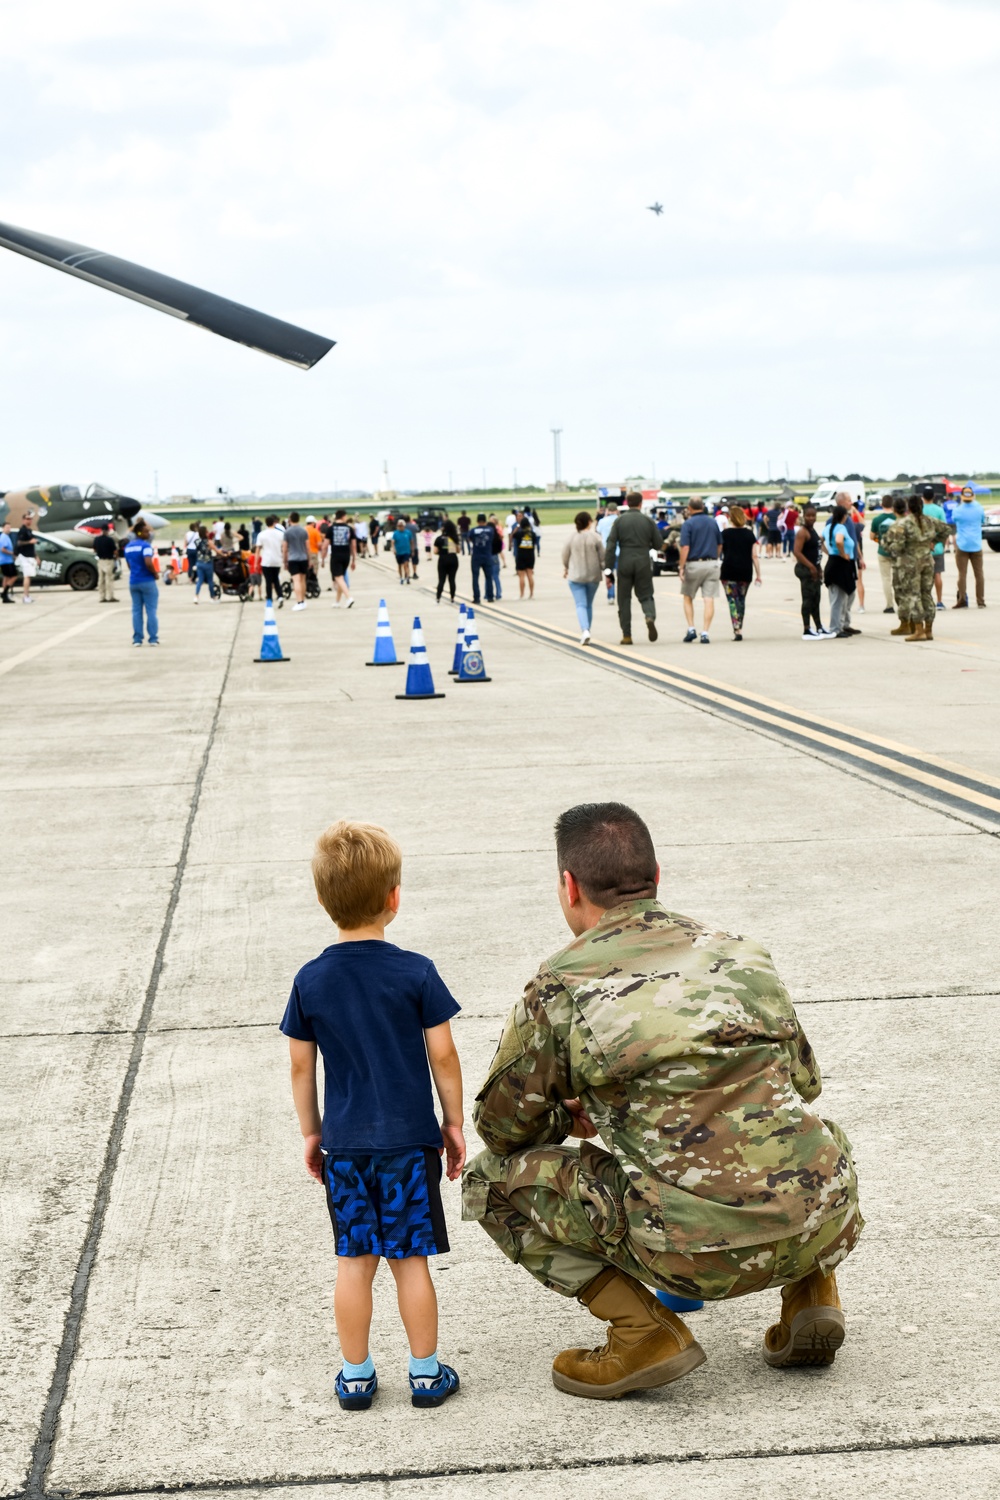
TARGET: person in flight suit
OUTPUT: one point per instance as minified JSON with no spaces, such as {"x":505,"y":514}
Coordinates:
{"x":627,"y":550}
{"x":680,"y":1048}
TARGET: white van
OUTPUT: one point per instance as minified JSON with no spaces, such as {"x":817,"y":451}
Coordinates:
{"x":825,"y":495}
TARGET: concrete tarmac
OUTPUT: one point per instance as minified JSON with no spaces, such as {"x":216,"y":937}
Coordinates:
{"x":167,"y":1268}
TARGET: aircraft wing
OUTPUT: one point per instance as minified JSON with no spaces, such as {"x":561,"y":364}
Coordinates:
{"x":231,"y":320}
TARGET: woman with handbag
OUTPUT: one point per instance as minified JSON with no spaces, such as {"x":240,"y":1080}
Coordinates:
{"x":841,"y":572}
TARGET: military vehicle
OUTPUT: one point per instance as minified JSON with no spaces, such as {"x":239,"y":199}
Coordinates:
{"x":431,"y":518}
{"x":61,"y":511}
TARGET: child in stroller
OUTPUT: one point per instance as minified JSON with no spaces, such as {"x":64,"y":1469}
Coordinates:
{"x":232,"y":573}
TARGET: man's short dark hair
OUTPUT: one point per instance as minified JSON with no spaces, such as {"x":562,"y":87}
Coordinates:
{"x":481,"y":517}
{"x":338,"y":514}
{"x":293,"y":517}
{"x":608,"y":850}
{"x":634,"y":500}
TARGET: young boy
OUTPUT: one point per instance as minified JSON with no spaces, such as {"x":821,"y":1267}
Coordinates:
{"x":379,"y":1015}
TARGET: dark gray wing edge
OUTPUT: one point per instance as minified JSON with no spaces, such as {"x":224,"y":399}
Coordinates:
{"x":230,"y":320}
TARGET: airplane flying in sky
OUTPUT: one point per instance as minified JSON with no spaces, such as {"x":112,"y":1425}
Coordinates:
{"x":231,"y":320}
{"x":655,"y":208}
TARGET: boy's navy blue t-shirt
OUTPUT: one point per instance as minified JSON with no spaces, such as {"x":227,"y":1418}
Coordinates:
{"x":366,"y":1006}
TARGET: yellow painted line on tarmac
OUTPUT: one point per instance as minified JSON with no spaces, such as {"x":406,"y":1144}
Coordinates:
{"x":826,"y":733}
{"x":54,"y":640}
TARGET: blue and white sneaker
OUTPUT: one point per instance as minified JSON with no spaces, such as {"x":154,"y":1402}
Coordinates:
{"x":355,"y":1395}
{"x":433,"y":1390}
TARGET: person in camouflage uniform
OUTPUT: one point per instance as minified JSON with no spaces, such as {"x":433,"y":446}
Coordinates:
{"x":679,"y":1047}
{"x":910,"y":542}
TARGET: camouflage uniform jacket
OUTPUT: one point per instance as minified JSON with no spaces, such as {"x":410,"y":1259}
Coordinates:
{"x":685,"y":1050}
{"x":908,"y":538}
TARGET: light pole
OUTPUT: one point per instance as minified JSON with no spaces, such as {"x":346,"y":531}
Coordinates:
{"x":557,"y":456}
{"x":515,"y":481}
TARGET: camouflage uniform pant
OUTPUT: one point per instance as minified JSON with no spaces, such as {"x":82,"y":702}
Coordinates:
{"x":914,"y":580}
{"x":560,"y":1216}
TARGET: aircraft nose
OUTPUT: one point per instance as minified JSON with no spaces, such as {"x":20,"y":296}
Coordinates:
{"x":152,"y":520}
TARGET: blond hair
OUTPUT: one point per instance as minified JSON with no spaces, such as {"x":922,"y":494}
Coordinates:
{"x":355,"y":866}
{"x":737,"y":515}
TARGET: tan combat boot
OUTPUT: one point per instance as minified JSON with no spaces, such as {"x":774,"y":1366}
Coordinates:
{"x":928,"y":630}
{"x":626,"y":640}
{"x":812,"y":1325}
{"x":904,"y":627}
{"x":647,"y":1344}
{"x":919,"y":632}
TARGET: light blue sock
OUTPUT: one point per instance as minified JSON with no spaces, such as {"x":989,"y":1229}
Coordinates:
{"x":359,"y":1372}
{"x":428,"y":1366}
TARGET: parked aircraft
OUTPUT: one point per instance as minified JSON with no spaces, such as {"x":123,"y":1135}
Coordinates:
{"x":61,"y":511}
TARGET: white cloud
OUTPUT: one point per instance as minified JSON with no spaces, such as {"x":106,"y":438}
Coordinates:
{"x":456,"y":191}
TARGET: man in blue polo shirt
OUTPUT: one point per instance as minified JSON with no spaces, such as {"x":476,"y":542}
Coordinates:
{"x":969,"y":518}
{"x":701,"y":542}
{"x":142,"y":583}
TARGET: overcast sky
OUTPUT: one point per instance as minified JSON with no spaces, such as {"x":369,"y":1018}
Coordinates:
{"x":457,"y":193}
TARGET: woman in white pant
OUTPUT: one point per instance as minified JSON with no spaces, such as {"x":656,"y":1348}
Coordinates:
{"x":583,"y":565}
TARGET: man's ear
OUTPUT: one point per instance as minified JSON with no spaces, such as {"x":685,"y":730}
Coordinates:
{"x":657,"y":876}
{"x":572,"y":889}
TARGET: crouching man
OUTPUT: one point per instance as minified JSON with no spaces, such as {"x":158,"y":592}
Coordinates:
{"x":678,"y":1047}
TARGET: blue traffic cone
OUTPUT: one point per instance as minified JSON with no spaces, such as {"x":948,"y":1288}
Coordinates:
{"x":471,"y":668}
{"x":456,"y":663}
{"x":679,"y":1304}
{"x":270,"y":646}
{"x":419,"y":682}
{"x":385,"y":648}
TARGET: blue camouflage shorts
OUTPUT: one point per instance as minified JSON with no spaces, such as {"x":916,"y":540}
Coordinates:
{"x":386,"y":1205}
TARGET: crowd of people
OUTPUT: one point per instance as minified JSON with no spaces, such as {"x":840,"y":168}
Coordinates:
{"x":722,"y":549}
{"x":717,"y":549}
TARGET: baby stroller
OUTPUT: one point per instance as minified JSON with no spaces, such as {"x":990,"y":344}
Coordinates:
{"x":313,"y":589}
{"x":232,"y":573}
